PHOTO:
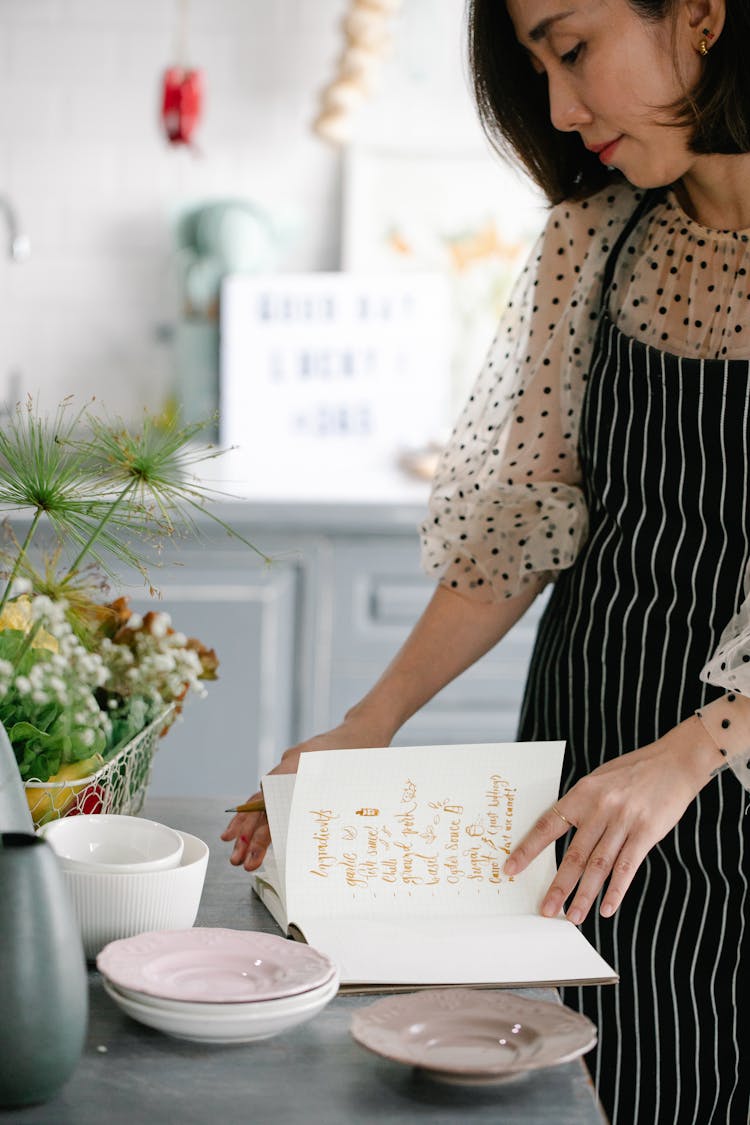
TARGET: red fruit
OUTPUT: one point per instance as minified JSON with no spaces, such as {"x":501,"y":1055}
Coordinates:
{"x":89,"y":802}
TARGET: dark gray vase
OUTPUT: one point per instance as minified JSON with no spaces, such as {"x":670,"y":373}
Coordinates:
{"x":43,"y":982}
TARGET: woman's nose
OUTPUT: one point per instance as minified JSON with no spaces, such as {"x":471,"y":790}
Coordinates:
{"x":567,"y":111}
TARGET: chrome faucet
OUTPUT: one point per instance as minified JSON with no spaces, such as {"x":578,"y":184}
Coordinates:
{"x":19,"y":245}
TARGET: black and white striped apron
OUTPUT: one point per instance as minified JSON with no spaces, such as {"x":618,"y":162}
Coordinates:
{"x":664,"y":454}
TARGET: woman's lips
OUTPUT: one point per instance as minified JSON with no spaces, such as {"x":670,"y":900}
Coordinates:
{"x":606,"y":152}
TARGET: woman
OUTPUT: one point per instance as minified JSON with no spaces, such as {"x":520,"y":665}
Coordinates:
{"x":605,"y":446}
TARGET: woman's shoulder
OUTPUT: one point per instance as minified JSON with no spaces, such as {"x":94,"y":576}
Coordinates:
{"x":585,"y":224}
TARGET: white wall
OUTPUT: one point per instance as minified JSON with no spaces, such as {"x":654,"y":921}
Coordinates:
{"x":96,"y":185}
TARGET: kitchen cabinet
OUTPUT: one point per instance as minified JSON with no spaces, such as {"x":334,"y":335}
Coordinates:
{"x":300,"y":639}
{"x":248,"y":615}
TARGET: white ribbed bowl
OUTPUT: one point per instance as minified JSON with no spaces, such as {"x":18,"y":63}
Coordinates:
{"x":112,"y":906}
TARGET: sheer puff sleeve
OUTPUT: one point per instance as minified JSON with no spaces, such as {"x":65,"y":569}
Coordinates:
{"x":728,"y":719}
{"x":506,"y":508}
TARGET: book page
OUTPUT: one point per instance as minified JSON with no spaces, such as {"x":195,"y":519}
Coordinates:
{"x":500,"y":950}
{"x":278,"y":790}
{"x":420,"y":831}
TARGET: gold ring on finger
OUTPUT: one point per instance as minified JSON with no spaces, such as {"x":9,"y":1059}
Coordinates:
{"x":564,"y":819}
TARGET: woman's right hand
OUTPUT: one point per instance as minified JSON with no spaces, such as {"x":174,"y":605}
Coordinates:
{"x":250,"y":830}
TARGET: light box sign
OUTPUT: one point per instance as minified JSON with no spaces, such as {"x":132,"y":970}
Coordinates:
{"x":326,"y":378}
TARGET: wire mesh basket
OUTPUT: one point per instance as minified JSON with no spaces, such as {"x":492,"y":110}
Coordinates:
{"x":118,"y":786}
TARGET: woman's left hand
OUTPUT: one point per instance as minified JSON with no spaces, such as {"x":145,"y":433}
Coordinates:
{"x":619,"y":811}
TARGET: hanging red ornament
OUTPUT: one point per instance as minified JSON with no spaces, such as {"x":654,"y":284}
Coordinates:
{"x":183,"y":86}
{"x":182,"y":103}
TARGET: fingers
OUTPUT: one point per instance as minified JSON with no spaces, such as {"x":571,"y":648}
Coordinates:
{"x":252,"y":836}
{"x":257,"y":845}
{"x":241,"y":829}
{"x":613,"y":858}
{"x":242,"y":823}
{"x":548,"y":828}
{"x":233,"y":829}
{"x":585,"y":869}
{"x":623,"y":872}
{"x":607,"y":848}
{"x":582,"y":864}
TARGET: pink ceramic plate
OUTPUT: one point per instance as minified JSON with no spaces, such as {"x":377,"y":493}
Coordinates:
{"x":471,"y":1036}
{"x":212,"y":965}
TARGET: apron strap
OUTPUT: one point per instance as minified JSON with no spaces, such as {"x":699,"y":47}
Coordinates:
{"x":650,"y":198}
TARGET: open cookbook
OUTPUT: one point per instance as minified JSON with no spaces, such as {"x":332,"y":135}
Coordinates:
{"x":390,"y":861}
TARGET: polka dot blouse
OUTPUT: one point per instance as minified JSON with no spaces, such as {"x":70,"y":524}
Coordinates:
{"x":506,"y":508}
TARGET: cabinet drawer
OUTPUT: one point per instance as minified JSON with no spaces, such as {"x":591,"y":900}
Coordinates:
{"x":393,"y":601}
{"x":379,"y":592}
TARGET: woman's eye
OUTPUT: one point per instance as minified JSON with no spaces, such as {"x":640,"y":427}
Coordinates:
{"x":572,"y":56}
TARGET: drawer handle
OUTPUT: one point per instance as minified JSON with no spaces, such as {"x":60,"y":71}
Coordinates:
{"x":398,"y":603}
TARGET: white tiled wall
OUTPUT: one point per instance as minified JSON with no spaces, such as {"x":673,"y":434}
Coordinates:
{"x":96,"y":186}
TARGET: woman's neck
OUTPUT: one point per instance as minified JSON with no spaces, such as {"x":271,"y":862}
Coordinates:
{"x":716,"y":191}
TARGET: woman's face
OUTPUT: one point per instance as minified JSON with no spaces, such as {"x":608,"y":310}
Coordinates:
{"x":610,"y":75}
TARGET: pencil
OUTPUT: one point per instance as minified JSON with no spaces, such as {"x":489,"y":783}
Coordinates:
{"x":250,"y":806}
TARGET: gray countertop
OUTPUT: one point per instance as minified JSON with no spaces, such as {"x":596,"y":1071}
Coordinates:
{"x":313,"y":1075}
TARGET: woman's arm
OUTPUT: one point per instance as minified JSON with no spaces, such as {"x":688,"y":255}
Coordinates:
{"x":452,"y":633}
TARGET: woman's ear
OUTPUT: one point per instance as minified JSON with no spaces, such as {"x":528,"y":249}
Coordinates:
{"x":706,"y":20}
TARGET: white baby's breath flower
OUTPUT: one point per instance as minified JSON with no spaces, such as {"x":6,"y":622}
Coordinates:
{"x":87,"y":737}
{"x":37,"y":675}
{"x":135,"y":621}
{"x":159,"y":624}
{"x":51,"y":613}
{"x":23,"y":685}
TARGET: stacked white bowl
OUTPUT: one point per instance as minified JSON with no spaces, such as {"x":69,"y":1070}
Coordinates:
{"x":127,"y":875}
{"x":217,"y":985}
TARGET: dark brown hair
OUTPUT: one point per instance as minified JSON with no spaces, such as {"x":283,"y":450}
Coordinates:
{"x":513,"y":102}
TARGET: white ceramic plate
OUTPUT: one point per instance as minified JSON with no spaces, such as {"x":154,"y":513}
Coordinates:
{"x":207,"y":1008}
{"x":244,"y":1023}
{"x":214,"y":965}
{"x":473,"y":1036}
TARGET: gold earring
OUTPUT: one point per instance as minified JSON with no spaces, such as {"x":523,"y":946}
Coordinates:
{"x":703,"y":45}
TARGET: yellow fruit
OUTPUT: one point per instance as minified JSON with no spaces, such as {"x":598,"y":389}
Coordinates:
{"x":50,"y":803}
{"x":17,"y":615}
